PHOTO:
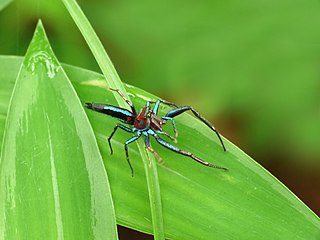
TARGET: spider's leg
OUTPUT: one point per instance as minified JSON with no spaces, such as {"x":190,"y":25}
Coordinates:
{"x":134,"y":138}
{"x":177,"y":111}
{"x":185,"y":153}
{"x":173,"y":124}
{"x":147,"y":142}
{"x":126,"y":100}
{"x":169,"y":136}
{"x":157,"y":104}
{"x":113,"y":132}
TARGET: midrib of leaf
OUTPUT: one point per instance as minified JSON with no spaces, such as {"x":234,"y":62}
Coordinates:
{"x":113,"y":80}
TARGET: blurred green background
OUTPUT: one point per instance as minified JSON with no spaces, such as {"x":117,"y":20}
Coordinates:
{"x":250,"y":67}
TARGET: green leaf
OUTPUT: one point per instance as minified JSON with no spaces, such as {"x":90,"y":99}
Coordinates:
{"x":246,"y":202}
{"x":4,"y":3}
{"x":113,"y":80}
{"x":52,"y":181}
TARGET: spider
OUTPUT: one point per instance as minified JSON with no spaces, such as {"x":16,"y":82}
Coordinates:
{"x":148,"y":123}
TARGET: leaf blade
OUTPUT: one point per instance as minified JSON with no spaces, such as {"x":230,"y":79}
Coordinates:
{"x":198,"y":203}
{"x":239,"y":202}
{"x":4,"y":3}
{"x":113,"y":80}
{"x":53,"y":184}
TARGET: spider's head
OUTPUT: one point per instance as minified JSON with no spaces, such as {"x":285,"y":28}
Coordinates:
{"x":143,"y":119}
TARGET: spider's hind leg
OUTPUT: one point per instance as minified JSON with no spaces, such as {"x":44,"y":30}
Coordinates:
{"x":114,"y":131}
{"x":125,"y":99}
{"x":134,"y":138}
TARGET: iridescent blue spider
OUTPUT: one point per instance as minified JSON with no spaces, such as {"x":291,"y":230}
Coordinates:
{"x":148,"y":123}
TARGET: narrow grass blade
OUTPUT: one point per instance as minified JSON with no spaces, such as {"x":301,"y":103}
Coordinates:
{"x":95,"y":46}
{"x":114,"y":81}
{"x":52,"y":181}
{"x":153,"y":184}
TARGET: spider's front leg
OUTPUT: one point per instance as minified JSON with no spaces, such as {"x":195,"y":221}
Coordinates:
{"x":157,"y":104}
{"x":173,"y":125}
{"x":177,"y":111}
{"x":174,"y":139}
{"x":185,"y":153}
{"x":155,"y":112}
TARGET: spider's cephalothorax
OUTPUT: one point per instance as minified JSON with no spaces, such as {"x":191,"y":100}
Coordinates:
{"x":147,"y":122}
{"x":146,"y":119}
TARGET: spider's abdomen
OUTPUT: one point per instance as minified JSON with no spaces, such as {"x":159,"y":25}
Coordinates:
{"x":122,"y":114}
